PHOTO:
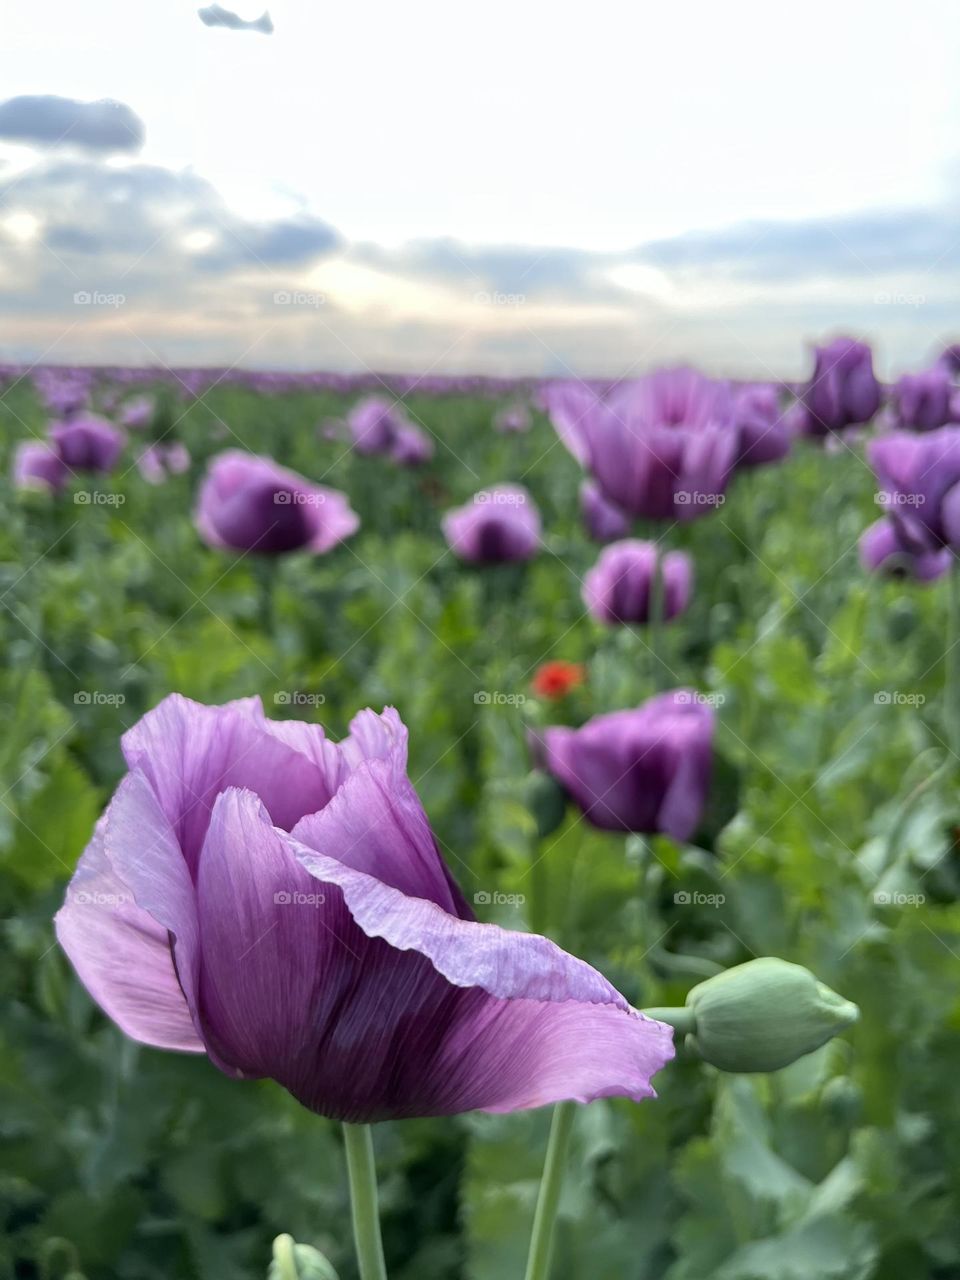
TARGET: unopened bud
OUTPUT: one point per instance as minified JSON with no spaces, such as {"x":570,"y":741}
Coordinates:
{"x":763,"y":1015}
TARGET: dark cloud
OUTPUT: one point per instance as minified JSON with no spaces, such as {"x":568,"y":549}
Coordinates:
{"x":214,"y":15}
{"x":146,"y":219}
{"x":48,"y":121}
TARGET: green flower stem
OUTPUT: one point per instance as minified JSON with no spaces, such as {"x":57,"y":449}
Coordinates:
{"x":681,"y":1019}
{"x":358,"y":1141}
{"x":658,"y":591}
{"x":544,"y":1219}
{"x":952,"y":660}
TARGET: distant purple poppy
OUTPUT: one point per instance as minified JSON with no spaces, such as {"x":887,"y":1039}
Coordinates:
{"x":923,"y":401}
{"x":919,"y":477}
{"x":764,"y":427}
{"x":662,"y":447}
{"x":512,"y":419}
{"x":137,"y":413}
{"x":646,"y":770}
{"x":88,"y":443}
{"x":498,"y":524}
{"x":38,"y":466}
{"x":276,"y":900}
{"x":603,"y":521}
{"x":843,"y":390}
{"x":159,"y":461}
{"x":411,"y":446}
{"x":250,"y":503}
{"x":881,"y":551}
{"x":63,"y":391}
{"x":619,"y":588}
{"x":950,"y":358}
{"x":373,"y":424}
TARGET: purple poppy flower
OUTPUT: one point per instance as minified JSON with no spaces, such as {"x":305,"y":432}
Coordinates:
{"x":765,"y":430}
{"x":137,"y":413}
{"x":881,"y":551}
{"x":618,"y":588}
{"x":63,"y":391}
{"x":602,"y":520}
{"x":949,"y":358}
{"x":37,"y":466}
{"x":512,"y":419}
{"x":88,"y":443}
{"x":158,"y":461}
{"x":923,"y":401}
{"x":662,"y":447}
{"x":843,"y":390}
{"x":411,"y":447}
{"x":373,"y":424}
{"x":496,"y":525}
{"x":919,"y":477}
{"x":250,"y":503}
{"x":276,"y":900}
{"x":644,"y":770}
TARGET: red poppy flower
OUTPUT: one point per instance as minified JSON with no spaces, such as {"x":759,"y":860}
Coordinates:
{"x":556,"y":679}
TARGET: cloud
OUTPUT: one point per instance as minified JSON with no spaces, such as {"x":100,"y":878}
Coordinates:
{"x":146,"y":221}
{"x":854,"y":245}
{"x":48,"y":121}
{"x":214,"y":15}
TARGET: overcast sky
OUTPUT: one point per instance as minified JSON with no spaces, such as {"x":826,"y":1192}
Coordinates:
{"x":506,"y":187}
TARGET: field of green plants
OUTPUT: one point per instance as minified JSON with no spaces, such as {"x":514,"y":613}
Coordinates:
{"x":830,"y":838}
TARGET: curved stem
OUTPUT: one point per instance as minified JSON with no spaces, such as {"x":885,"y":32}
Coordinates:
{"x":358,"y":1142}
{"x":541,"y":1242}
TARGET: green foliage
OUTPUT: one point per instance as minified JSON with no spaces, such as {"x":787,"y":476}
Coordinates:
{"x":127,"y":1164}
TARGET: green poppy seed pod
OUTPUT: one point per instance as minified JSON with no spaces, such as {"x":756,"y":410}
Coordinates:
{"x":763,"y":1015}
{"x":547,"y":801}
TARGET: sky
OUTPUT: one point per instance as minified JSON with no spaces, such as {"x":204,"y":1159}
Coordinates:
{"x":543,"y":189}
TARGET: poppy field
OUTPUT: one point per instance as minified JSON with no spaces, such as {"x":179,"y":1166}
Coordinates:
{"x":676,"y":666}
